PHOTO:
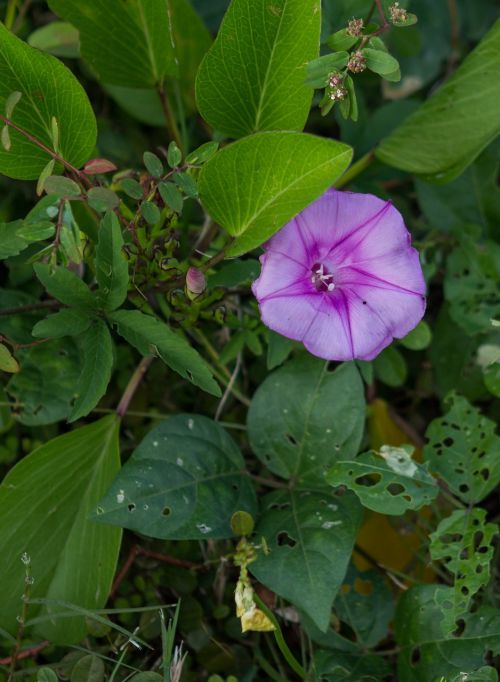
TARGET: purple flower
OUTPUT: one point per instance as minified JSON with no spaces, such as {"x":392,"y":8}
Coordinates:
{"x":342,"y":277}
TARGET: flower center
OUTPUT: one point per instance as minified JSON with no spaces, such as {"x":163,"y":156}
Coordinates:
{"x":321,"y":278}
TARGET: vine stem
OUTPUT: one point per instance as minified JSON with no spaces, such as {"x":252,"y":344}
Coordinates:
{"x":81,"y":176}
{"x":133,"y":385}
{"x":10,"y":14}
{"x":30,"y":307}
{"x":172,"y":126}
{"x":356,"y":169}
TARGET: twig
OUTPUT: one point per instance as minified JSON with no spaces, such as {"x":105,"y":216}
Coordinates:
{"x":229,"y":388}
{"x":172,"y":126}
{"x":31,"y":652}
{"x":454,"y":36}
{"x":133,"y":385}
{"x":30,"y":307}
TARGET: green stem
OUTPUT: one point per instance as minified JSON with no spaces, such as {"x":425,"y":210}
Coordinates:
{"x":10,"y":14}
{"x":280,"y":640}
{"x":268,"y":668}
{"x":356,"y":169}
{"x":173,"y":128}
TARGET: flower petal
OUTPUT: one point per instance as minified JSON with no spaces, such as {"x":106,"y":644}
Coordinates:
{"x":279,"y":272}
{"x":290,"y":316}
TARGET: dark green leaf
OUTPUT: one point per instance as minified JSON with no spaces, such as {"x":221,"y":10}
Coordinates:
{"x":341,"y":40}
{"x":253,"y":76}
{"x":426,"y":653}
{"x":464,"y":108}
{"x":16,"y":236}
{"x":45,"y":386}
{"x":132,"y":188}
{"x":184,"y":481}
{"x":235,"y":273}
{"x":463,"y":542}
{"x":337,"y":666}
{"x":151,"y":336}
{"x":126,"y":44}
{"x":419,"y":338}
{"x":463,"y":449}
{"x":254,"y":186}
{"x":380,"y":62}
{"x":153,"y":164}
{"x":102,"y":199}
{"x":303,"y":418}
{"x":174,"y":155}
{"x":65,"y":286}
{"x":41,"y":79}
{"x":46,"y":675}
{"x":61,"y":186}
{"x":310,"y":536}
{"x":186,"y":183}
{"x":89,"y":668}
{"x":150,"y":212}
{"x":45,"y":502}
{"x":110,"y":264}
{"x":68,"y":322}
{"x":389,"y":482}
{"x":319,"y":70}
{"x":390,"y":367}
{"x":97,"y":363}
{"x":278,"y":349}
{"x":203,"y":153}
{"x":171,"y":196}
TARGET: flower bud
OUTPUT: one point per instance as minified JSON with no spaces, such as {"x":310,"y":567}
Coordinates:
{"x":357,"y":62}
{"x":355,"y":27}
{"x":195,"y":283}
{"x":398,"y":14}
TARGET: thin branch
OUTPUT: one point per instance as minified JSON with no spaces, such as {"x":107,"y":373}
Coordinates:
{"x":229,"y":388}
{"x":30,"y":307}
{"x":133,"y":385}
{"x":172,"y":126}
{"x":31,"y":652}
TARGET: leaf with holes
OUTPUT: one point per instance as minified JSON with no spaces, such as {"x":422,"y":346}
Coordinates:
{"x":184,"y":481}
{"x":388,"y":481}
{"x":42,"y":79}
{"x":471,"y":284}
{"x":463,"y":542}
{"x":127,"y":44}
{"x":45,"y":501}
{"x":253,"y":76}
{"x":310,"y":535}
{"x":256,"y":185}
{"x":303,"y":418}
{"x":426,"y":653}
{"x":464,"y":450}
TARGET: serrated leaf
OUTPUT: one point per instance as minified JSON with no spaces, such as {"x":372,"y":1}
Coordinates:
{"x":254,"y":186}
{"x":45,"y":501}
{"x":126,"y":44}
{"x":389,"y":481}
{"x":45,"y":386}
{"x":151,"y":336}
{"x":184,"y":481}
{"x":65,"y":286}
{"x":463,"y":449}
{"x":464,"y":108}
{"x":426,"y":653}
{"x":310,"y":535}
{"x":97,"y":363}
{"x":41,"y":78}
{"x":463,"y":542}
{"x":8,"y":362}
{"x":252,"y":78}
{"x":303,"y":418}
{"x":110,"y":264}
{"x":68,"y":322}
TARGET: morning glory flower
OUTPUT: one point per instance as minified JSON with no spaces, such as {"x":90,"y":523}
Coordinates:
{"x":342,"y":277}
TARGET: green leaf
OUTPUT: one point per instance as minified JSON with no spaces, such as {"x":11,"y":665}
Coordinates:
{"x":97,"y":363}
{"x":171,"y":196}
{"x":338,"y":666}
{"x":252,"y":78}
{"x":184,"y":481}
{"x":235,"y":273}
{"x":89,"y":668}
{"x":390,"y":367}
{"x":471,"y":284}
{"x":186,"y":183}
{"x":8,"y":362}
{"x":57,"y":38}
{"x":61,"y":186}
{"x":150,"y":212}
{"x":46,"y":675}
{"x":45,"y":386}
{"x":110,"y":264}
{"x":41,"y":79}
{"x":254,"y":186}
{"x":151,"y":336}
{"x":319,"y":70}
{"x":419,"y":338}
{"x":465,"y":108}
{"x":16,"y":236}
{"x":303,"y":418}
{"x":463,"y":542}
{"x":45,"y":501}
{"x":389,"y":481}
{"x":65,"y":286}
{"x":132,"y":188}
{"x":379,"y":61}
{"x":102,"y":199}
{"x":68,"y":322}
{"x":45,"y":173}
{"x":341,"y":40}
{"x":126,"y":44}
{"x":203,"y":153}
{"x":463,"y":449}
{"x":426,"y":653}
{"x":153,"y":164}
{"x":278,"y":349}
{"x":310,"y":535}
